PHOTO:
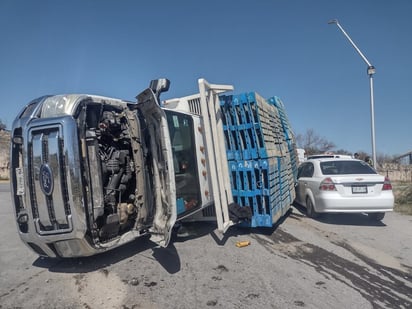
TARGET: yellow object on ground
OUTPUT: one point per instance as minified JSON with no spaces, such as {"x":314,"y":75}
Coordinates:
{"x":241,"y":244}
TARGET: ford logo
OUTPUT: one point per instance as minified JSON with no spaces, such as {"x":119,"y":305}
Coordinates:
{"x":46,"y":179}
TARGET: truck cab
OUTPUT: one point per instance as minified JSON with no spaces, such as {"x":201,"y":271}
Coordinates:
{"x":90,"y":173}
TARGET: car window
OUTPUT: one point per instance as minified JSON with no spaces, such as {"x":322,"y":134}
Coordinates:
{"x":306,"y":170}
{"x":345,"y":167}
{"x":320,"y":156}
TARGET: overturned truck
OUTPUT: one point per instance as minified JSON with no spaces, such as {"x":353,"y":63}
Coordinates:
{"x":90,"y":173}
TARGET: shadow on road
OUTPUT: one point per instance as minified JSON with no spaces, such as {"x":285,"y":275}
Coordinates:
{"x":239,"y":230}
{"x":167,"y":258}
{"x":349,"y":219}
{"x":193,"y":230}
{"x":358,"y":219}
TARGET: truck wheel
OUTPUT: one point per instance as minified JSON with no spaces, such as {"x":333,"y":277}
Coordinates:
{"x":310,"y":210}
{"x":376,"y":216}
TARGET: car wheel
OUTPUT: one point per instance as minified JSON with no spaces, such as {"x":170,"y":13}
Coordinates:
{"x":310,"y":210}
{"x":376,"y":216}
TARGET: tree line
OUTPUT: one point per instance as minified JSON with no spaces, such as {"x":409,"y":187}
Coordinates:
{"x":313,"y":143}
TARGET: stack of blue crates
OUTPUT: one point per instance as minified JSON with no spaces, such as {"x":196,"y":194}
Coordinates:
{"x":289,"y":139}
{"x":261,"y":152}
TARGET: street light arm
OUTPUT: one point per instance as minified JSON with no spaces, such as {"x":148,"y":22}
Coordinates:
{"x":371,"y":71}
{"x":335,"y":21}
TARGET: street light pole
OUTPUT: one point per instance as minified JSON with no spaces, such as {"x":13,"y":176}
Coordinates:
{"x":371,"y":70}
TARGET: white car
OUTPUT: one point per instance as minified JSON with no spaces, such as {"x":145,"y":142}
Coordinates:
{"x":337,"y":185}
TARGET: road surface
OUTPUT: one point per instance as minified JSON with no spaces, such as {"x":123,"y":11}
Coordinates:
{"x":338,"y":261}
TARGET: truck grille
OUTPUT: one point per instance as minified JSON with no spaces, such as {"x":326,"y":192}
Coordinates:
{"x":47,"y":179}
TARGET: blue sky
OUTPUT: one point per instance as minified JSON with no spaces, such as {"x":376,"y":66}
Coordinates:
{"x":281,"y":48}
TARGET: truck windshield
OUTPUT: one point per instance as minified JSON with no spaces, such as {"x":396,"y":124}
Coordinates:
{"x":184,"y":161}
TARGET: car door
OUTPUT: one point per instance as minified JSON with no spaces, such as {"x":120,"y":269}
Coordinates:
{"x":305,"y":174}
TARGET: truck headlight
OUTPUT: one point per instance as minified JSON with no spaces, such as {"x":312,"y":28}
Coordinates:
{"x":56,"y":106}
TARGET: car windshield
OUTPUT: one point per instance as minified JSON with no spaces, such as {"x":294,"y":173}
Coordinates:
{"x":342,"y":167}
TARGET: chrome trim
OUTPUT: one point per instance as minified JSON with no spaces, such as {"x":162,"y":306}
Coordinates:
{"x":51,"y":212}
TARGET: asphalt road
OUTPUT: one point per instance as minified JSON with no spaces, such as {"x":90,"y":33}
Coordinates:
{"x":339,"y":261}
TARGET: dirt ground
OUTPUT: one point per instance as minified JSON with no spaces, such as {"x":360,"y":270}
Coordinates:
{"x":340,"y":261}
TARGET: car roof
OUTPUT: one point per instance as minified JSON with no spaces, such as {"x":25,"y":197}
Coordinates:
{"x":331,"y":159}
{"x":317,"y":156}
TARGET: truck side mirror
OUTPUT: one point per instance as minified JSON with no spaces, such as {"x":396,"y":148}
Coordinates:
{"x":159,"y":85}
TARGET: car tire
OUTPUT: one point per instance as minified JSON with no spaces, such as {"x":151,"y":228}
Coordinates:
{"x":310,"y":209}
{"x":376,"y":216}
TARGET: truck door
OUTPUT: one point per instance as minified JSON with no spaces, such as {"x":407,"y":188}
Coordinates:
{"x":162,"y":193}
